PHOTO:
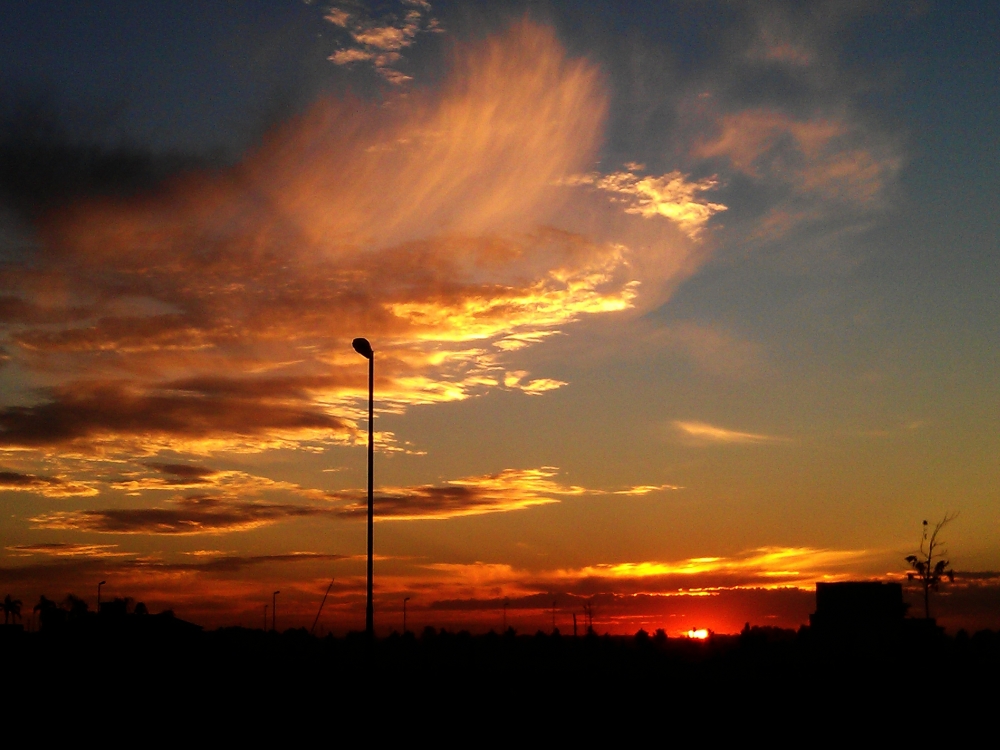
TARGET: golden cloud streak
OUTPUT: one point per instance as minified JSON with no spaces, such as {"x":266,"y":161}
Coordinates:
{"x":802,"y":564}
{"x":702,"y":431}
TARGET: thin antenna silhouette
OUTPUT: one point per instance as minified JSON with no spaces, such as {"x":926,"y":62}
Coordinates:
{"x":321,"y":606}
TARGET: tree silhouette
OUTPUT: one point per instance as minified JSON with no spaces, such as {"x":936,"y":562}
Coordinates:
{"x":48,"y":611}
{"x":11,"y":609}
{"x":77,"y":607}
{"x":930,"y":565}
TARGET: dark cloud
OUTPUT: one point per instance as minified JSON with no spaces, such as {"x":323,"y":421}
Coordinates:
{"x":72,"y":569}
{"x":64,"y":549}
{"x":235,"y":563}
{"x":183,"y":473}
{"x":44,"y":164}
{"x":82,"y":412}
{"x":190,"y":515}
{"x":428,"y":501}
{"x":48,"y":486}
{"x":511,"y":489}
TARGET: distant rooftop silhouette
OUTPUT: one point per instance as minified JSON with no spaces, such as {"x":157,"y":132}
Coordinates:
{"x":861,"y":607}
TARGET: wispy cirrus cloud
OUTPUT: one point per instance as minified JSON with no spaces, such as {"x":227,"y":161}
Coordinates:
{"x":814,"y":156}
{"x":645,"y":489}
{"x":702,"y":432}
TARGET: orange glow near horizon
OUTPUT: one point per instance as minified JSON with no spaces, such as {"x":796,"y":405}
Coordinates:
{"x":698,"y":635}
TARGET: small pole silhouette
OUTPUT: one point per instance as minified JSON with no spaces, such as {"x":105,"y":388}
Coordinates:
{"x":321,"y":606}
{"x":553,"y":615}
{"x":405,"y":600}
{"x":99,"y":596}
{"x":274,"y":610}
{"x":574,"y":624}
{"x":505,"y":603}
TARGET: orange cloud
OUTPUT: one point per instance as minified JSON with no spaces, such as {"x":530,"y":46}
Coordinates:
{"x":511,"y":489}
{"x":217,"y":313}
{"x":765,"y":567}
{"x":672,"y":196}
{"x":703,"y":432}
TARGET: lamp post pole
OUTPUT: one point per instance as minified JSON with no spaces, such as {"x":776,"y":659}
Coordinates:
{"x":364,"y":348}
{"x":99,"y":596}
{"x":274,"y":610}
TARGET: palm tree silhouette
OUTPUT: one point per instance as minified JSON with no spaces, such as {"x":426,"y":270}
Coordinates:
{"x":11,"y":609}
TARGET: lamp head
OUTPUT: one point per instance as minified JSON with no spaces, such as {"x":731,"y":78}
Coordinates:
{"x":362,"y":347}
{"x":102,"y":583}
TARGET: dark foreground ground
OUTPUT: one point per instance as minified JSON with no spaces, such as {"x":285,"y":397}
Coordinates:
{"x":239,"y":678}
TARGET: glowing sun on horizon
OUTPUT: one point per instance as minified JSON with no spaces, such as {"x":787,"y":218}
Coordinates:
{"x":700,"y":634}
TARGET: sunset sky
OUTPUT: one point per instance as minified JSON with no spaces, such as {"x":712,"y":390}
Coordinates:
{"x":678,"y":307}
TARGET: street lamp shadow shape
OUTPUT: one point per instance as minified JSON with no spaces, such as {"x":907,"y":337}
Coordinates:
{"x":363,"y":347}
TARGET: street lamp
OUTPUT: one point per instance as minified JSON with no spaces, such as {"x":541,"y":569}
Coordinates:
{"x":99,"y":596}
{"x":405,"y":600}
{"x":274,"y":609}
{"x":364,"y":348}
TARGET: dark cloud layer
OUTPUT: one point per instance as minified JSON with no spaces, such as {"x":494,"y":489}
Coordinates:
{"x":84,"y":413}
{"x":430,"y":501}
{"x":190,"y":515}
{"x":43,"y":165}
{"x":48,"y":486}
